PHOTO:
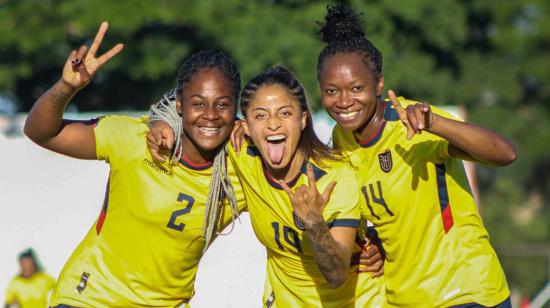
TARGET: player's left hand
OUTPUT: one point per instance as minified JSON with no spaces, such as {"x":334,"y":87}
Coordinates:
{"x":371,"y":260}
{"x":306,"y":200}
{"x":416,"y":118}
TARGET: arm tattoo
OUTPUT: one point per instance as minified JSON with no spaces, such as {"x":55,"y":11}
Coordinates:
{"x":329,"y":254}
{"x":60,"y":97}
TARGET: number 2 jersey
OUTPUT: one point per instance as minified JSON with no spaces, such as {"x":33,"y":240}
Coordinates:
{"x":418,"y":198}
{"x":145,"y":247}
{"x":293,"y":278}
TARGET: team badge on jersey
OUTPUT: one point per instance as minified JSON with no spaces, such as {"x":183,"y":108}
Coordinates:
{"x":298,"y":222}
{"x":385,"y":160}
{"x":83,"y":282}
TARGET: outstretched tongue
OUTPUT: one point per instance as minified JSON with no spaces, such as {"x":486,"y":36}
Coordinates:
{"x":276,"y":150}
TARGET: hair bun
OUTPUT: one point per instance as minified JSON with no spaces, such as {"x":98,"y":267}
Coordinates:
{"x":340,"y":24}
{"x":277,"y":69}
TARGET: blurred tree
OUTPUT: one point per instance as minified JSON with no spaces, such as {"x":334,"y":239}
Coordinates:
{"x":491,"y":57}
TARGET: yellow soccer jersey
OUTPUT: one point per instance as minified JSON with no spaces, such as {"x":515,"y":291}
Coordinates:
{"x":293,"y":277}
{"x":437,"y":251}
{"x":145,"y":247}
{"x":30,"y":292}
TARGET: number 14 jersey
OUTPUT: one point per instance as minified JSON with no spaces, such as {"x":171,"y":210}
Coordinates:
{"x":419,"y":200}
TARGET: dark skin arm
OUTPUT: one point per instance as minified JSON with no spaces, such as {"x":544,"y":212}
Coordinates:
{"x":44,"y":124}
{"x":371,"y":259}
{"x":467,"y":141}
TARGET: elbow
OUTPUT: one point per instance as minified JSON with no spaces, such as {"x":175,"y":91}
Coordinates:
{"x":499,"y":154}
{"x":33,"y":136}
{"x":512,"y":156}
{"x":30,"y":133}
{"x":509,"y":155}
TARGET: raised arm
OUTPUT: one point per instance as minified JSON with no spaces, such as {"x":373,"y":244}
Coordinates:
{"x":331,"y":247}
{"x":45,"y":124}
{"x":467,"y":141}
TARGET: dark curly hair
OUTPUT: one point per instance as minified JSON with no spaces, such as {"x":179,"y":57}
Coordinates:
{"x":310,"y":145}
{"x":343,"y":33}
{"x":205,"y":60}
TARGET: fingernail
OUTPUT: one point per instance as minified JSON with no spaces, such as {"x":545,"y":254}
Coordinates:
{"x":420,"y":126}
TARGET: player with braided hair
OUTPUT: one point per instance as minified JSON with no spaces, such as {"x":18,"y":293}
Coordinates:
{"x":437,"y":251}
{"x":158,"y":218}
{"x":308,"y":248}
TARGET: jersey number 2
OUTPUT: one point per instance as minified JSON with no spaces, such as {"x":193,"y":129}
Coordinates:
{"x":172,"y":222}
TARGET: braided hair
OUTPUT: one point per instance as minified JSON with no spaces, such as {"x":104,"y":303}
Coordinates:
{"x":342,"y":32}
{"x":165,"y":110}
{"x":310,"y":145}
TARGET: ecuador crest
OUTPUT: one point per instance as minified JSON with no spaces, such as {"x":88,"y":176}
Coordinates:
{"x":385,"y":161}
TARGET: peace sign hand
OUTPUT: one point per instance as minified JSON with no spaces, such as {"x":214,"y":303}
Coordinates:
{"x":82,"y":65}
{"x":306,"y":200}
{"x":416,"y":118}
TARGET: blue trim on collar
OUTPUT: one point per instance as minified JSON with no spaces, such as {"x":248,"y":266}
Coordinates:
{"x":318,"y":173}
{"x":195,"y":167}
{"x":390,"y":114}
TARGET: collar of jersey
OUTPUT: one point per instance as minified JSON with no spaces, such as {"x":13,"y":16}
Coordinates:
{"x":390,"y":114}
{"x":193,"y":166}
{"x":274,"y":183}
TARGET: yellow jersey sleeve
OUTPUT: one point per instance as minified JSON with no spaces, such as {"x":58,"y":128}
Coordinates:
{"x":113,"y":143}
{"x":343,"y":208}
{"x":11,"y":295}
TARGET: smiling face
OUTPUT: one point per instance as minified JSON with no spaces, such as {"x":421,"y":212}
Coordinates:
{"x":349,"y":90}
{"x":208,"y":112}
{"x":274,"y":121}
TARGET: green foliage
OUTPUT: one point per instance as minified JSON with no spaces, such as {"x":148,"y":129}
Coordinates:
{"x":490,"y":56}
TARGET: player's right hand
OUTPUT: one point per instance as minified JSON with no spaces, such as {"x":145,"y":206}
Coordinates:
{"x":306,"y":199}
{"x":82,"y":65}
{"x":160,"y":140}
{"x":371,"y":259}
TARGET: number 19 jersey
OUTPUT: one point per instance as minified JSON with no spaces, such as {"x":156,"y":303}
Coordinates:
{"x":293,"y":277}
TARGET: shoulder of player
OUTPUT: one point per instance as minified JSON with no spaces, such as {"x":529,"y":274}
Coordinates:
{"x":341,"y":137}
{"x":123,"y":120}
{"x":338,"y":171}
{"x":121,"y":138}
{"x":44,"y":275}
{"x":248,"y":153}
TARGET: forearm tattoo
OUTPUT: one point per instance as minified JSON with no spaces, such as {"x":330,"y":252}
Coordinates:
{"x":329,"y":254}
